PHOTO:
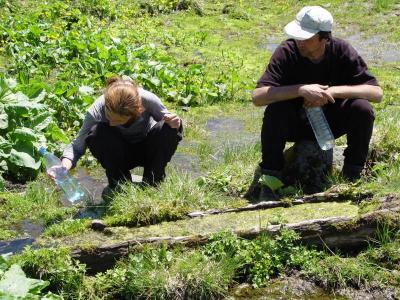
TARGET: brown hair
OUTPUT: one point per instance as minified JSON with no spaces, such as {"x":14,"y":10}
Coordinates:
{"x":122,"y":97}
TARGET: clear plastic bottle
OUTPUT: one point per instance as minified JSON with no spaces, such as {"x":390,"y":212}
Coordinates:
{"x":321,"y":128}
{"x":70,"y":186}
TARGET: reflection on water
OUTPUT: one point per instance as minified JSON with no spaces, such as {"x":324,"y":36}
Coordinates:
{"x":15,"y":246}
{"x":29,"y":232}
{"x":93,"y":187}
{"x":186,"y":163}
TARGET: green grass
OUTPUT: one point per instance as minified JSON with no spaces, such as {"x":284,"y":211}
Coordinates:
{"x":207,"y":225}
{"x":67,"y":227}
{"x":37,"y":204}
{"x":338,"y":272}
{"x":176,"y":196}
{"x":54,"y":265}
{"x":229,"y":39}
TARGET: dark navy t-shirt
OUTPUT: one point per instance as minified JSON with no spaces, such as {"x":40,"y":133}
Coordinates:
{"x":341,"y":65}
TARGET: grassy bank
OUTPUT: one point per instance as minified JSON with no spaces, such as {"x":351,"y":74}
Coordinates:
{"x":203,"y":59}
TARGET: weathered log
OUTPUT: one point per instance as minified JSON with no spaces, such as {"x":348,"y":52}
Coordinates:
{"x":337,"y":193}
{"x":343,"y":233}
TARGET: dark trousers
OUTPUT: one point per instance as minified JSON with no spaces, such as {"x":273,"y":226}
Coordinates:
{"x":286,"y":121}
{"x":117,"y":156}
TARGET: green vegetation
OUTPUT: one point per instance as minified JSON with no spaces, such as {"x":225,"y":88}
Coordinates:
{"x":15,"y":285}
{"x":164,"y":274}
{"x":38,"y":204}
{"x":202,"y":58}
{"x":68,"y":227}
{"x":55,"y":266}
{"x":176,"y":197}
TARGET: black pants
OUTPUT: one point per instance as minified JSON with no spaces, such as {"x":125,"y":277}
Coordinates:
{"x":286,"y":121}
{"x":117,"y":156}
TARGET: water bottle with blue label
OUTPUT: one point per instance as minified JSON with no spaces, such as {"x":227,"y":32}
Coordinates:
{"x":69,"y":185}
{"x":321,"y":128}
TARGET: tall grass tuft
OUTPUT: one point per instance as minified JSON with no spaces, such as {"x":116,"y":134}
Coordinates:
{"x":178,"y":195}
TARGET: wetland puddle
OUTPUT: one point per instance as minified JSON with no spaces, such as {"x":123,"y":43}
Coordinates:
{"x":373,"y":49}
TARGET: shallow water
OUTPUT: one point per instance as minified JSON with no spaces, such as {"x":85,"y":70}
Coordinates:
{"x":186,"y":163}
{"x":374,"y":49}
{"x":15,"y":246}
{"x":28,"y":231}
{"x":282,"y":288}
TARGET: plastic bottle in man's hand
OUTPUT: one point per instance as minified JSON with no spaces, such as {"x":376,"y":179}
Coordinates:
{"x":321,"y":128}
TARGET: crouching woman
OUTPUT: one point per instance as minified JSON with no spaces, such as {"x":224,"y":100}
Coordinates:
{"x":127,"y":127}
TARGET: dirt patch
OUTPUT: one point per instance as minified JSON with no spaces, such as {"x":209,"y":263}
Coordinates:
{"x":14,"y":187}
{"x":349,"y":293}
{"x":295,"y":287}
{"x":389,"y":201}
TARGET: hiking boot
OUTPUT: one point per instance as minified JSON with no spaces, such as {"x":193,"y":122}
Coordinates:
{"x":266,"y":194}
{"x":108,"y":193}
{"x":254,"y":189}
{"x":351,"y":172}
{"x":256,"y":192}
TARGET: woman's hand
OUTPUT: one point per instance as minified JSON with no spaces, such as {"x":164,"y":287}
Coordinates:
{"x":62,"y":169}
{"x":172,"y":120}
{"x":66,"y":163}
{"x":56,"y":172}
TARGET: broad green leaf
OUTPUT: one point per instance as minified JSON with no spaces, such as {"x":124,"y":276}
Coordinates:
{"x":5,"y":148}
{"x":11,"y":82}
{"x":51,"y":296}
{"x":3,"y":117}
{"x":3,"y":262}
{"x":23,"y":159}
{"x":287,"y":191}
{"x":40,"y":97}
{"x":18,"y":97}
{"x":271,"y":181}
{"x":24,"y":134}
{"x":3,"y":166}
{"x":17,"y":284}
{"x":56,"y":133}
{"x":2,"y":183}
{"x":155,"y":81}
{"x":41,"y":121}
{"x":86,"y":90}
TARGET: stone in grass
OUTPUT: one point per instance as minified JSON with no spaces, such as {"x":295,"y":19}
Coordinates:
{"x":97,"y":225}
{"x":307,"y":164}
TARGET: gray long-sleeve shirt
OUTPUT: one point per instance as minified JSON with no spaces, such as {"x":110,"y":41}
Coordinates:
{"x":153,"y":112}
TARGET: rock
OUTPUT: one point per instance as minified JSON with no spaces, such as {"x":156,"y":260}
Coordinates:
{"x":308,"y":165}
{"x":97,"y":225}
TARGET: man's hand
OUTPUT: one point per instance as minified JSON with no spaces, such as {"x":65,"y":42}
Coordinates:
{"x":172,"y":120}
{"x":315,"y":95}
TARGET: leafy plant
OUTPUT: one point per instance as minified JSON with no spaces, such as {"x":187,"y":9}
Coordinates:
{"x":271,"y":181}
{"x":15,"y":285}
{"x":257,"y":260}
{"x":55,"y":266}
{"x":24,"y":124}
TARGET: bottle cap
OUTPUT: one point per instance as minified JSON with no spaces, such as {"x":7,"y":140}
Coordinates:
{"x":42,"y":150}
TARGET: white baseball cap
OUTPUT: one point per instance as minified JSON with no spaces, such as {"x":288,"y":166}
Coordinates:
{"x":309,"y":21}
